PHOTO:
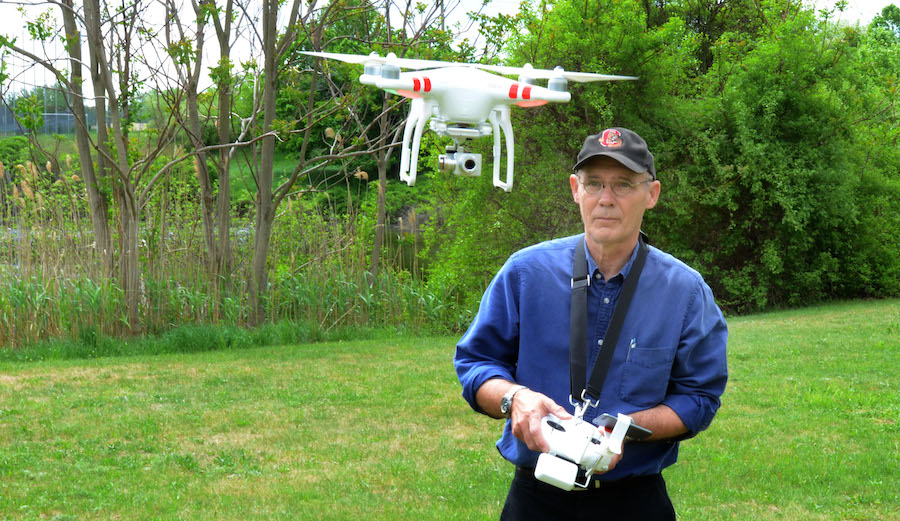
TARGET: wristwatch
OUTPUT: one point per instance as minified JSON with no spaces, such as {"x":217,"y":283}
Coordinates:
{"x":507,"y":400}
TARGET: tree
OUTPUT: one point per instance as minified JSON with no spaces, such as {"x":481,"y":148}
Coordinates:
{"x":304,"y":28}
{"x":889,"y":21}
{"x":114,"y":40}
{"x":74,"y":95}
{"x":224,"y":80}
{"x":186,"y":51}
{"x":777,"y":151}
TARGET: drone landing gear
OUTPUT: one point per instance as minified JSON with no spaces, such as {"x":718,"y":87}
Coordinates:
{"x":419,"y":112}
{"x":499,"y":119}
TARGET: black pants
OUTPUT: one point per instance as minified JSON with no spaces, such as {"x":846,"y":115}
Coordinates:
{"x":635,"y":499}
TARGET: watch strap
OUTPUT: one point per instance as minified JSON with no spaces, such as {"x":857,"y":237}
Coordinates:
{"x":508,"y":398}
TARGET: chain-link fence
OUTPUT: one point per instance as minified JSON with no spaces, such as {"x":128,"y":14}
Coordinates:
{"x":54,"y":122}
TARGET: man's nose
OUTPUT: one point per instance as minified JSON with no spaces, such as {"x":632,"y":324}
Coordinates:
{"x":606,"y":195}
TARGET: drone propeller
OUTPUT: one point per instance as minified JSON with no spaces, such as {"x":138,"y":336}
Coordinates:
{"x":391,"y":58}
{"x":412,"y":63}
{"x":546,"y":74}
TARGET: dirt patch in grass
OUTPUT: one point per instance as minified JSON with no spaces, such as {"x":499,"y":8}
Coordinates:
{"x":13,"y":382}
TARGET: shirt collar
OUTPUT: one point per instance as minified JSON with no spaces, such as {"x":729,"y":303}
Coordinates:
{"x":592,"y":266}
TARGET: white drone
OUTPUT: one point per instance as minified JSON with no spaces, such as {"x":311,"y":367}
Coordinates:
{"x":463,"y":102}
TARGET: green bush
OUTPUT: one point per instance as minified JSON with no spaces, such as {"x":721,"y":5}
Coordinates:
{"x":13,"y":151}
{"x":775,"y":146}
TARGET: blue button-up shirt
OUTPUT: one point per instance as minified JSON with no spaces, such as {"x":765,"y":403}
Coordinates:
{"x":671,"y":349}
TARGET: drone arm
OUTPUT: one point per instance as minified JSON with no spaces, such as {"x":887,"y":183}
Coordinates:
{"x":501,"y":112}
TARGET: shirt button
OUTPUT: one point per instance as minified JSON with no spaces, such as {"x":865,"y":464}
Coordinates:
{"x":598,"y":276}
{"x":600,"y":342}
{"x":606,"y":300}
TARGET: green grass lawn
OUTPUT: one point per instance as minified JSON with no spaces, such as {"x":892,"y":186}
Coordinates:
{"x":377,"y":430}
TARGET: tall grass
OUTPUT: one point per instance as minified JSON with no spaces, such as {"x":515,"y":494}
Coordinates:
{"x":52,"y":283}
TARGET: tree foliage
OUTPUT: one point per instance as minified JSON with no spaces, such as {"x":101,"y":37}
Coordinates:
{"x":775,"y":142}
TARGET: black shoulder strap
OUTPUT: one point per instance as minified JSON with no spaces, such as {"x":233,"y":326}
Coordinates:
{"x":578,"y":323}
{"x":581,"y":280}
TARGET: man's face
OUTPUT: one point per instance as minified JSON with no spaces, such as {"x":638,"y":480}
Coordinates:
{"x":612,"y":220}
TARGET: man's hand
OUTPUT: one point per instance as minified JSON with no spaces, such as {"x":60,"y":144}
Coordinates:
{"x":528,"y":407}
{"x":612,"y":464}
{"x":527,"y":410}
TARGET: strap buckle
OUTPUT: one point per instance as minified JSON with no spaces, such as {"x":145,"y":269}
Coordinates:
{"x":580,"y":282}
{"x":581,"y":406}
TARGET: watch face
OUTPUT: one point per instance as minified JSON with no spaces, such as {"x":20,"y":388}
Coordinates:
{"x":504,"y":405}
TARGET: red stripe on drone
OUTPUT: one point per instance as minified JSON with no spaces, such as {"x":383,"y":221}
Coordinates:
{"x":513,"y":91}
{"x":427,"y":84}
{"x":417,"y":85}
{"x":526,"y":93}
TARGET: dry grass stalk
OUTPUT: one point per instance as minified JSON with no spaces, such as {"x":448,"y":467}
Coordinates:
{"x":26,"y":189}
{"x":33,"y":171}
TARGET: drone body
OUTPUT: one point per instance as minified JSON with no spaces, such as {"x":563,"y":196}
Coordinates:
{"x":463,"y":102}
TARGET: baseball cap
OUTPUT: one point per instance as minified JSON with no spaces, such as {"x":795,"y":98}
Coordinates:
{"x":621,"y":144}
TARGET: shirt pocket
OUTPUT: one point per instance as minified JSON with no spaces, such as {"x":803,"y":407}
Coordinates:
{"x":645,"y":376}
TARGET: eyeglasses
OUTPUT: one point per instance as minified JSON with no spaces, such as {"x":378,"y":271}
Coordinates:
{"x":620,"y":188}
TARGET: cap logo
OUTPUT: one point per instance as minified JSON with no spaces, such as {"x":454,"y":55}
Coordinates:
{"x":610,"y":138}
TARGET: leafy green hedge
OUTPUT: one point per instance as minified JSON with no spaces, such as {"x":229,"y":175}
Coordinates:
{"x":13,"y":150}
{"x":776,"y":145}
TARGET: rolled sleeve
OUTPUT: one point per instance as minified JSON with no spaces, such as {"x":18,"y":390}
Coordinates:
{"x":489,"y":349}
{"x":699,"y":372}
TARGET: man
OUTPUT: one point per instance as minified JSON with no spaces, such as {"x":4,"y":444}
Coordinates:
{"x":667,"y":370}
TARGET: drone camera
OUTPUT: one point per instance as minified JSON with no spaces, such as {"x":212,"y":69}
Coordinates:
{"x":460,"y":163}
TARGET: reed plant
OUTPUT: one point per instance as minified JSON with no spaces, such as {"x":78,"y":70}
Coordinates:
{"x":53,"y":286}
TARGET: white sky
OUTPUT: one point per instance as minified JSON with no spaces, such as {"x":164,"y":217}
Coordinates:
{"x":12,"y":23}
{"x":861,"y":10}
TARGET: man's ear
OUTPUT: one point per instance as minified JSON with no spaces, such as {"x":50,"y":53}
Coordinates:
{"x":575,"y":185}
{"x":655,"y":188}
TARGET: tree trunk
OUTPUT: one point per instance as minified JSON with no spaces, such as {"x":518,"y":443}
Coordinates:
{"x":129,"y":269}
{"x":265,"y":215}
{"x":223,"y":127}
{"x":206,"y":192}
{"x":380,"y":220}
{"x":129,"y":207}
{"x":382,"y":161}
{"x":99,"y":205}
{"x":223,"y":204}
{"x":92,"y":22}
